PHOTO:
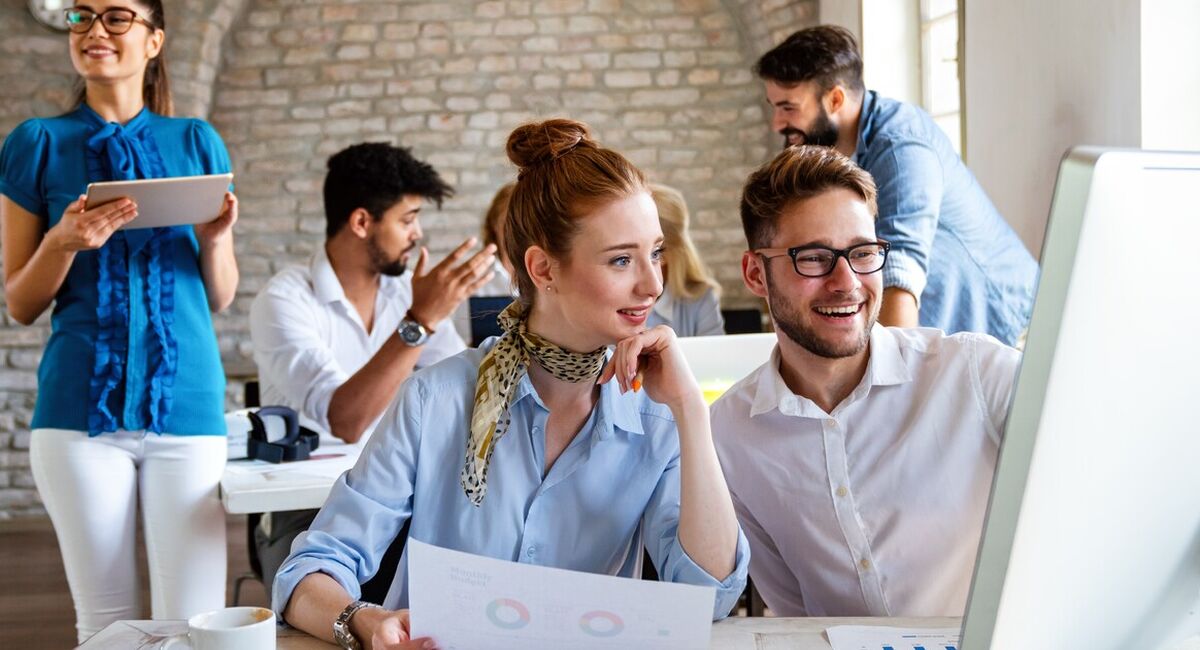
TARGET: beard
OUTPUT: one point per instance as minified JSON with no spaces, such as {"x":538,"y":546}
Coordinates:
{"x":380,"y":262}
{"x":793,"y":325}
{"x":823,"y":133}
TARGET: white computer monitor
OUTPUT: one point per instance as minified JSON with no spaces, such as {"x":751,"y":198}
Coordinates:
{"x":1092,"y":538}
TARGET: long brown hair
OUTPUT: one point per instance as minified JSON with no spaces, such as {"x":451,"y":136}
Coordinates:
{"x":156,"y":88}
{"x":564,"y":173}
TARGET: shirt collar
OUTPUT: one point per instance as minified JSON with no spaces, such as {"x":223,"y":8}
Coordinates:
{"x":616,"y":411}
{"x":885,"y":367}
{"x":328,"y":288}
{"x":326,"y":285}
{"x":665,"y":306}
{"x":866,"y":125}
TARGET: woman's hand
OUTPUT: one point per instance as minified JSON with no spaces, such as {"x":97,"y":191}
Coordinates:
{"x":85,"y":230}
{"x":218,"y":229}
{"x":384,"y":629}
{"x":656,"y":357}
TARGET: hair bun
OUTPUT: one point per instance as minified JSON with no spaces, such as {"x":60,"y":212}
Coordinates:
{"x":541,"y":142}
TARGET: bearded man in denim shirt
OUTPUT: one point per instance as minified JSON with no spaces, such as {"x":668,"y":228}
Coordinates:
{"x":955,"y":264}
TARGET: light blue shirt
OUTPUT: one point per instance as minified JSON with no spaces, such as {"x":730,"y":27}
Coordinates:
{"x":950,"y":246}
{"x":700,"y":316}
{"x":613,"y":489}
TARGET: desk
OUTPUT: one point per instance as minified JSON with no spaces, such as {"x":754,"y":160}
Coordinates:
{"x":257,"y":486}
{"x":765,"y":633}
{"x":730,"y":634}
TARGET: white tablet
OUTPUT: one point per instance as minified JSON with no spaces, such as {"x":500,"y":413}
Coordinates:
{"x":177,"y":201}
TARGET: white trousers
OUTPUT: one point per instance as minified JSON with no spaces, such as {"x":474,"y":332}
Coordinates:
{"x":92,"y":488}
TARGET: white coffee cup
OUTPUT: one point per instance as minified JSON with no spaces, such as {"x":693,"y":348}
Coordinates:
{"x":233,"y":628}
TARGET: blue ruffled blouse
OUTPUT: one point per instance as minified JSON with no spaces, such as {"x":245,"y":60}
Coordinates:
{"x":133,"y":313}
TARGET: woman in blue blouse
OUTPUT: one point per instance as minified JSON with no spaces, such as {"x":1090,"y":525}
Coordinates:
{"x":525,"y":449}
{"x":130,"y":387}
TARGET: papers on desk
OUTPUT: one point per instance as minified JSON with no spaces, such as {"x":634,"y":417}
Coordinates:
{"x":869,"y":637}
{"x":469,"y":602}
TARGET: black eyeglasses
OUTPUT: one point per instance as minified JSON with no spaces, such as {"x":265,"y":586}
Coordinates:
{"x":116,"y":20}
{"x":819,"y":261}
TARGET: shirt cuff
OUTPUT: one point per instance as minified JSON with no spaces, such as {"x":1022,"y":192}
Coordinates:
{"x":902,"y":272}
{"x":295,"y":569}
{"x":686,"y":571}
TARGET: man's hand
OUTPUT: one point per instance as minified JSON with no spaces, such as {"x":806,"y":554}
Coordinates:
{"x":439,"y":292}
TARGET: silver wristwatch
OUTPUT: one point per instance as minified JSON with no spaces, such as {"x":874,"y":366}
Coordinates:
{"x":341,"y":627}
{"x":412,"y":332}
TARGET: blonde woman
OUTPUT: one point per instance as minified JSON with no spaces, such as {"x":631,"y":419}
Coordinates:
{"x":689,"y":303}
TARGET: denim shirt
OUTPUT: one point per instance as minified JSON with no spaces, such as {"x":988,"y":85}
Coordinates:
{"x":613,"y":489}
{"x":950,"y":246}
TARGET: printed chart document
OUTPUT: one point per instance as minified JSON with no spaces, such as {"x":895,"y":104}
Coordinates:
{"x":870,"y":637}
{"x":468,"y":602}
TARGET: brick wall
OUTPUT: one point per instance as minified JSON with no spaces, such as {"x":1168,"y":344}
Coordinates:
{"x":666,"y":82}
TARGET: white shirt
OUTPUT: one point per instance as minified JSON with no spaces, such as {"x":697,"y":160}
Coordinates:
{"x":876,"y":508}
{"x":308,"y":338}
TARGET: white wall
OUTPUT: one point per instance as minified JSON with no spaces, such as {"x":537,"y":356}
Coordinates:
{"x":1040,"y":78}
{"x":1170,"y":70}
{"x":847,"y":13}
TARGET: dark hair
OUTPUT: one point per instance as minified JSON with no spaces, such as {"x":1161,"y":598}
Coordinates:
{"x":563,"y":174}
{"x":374,"y":176}
{"x":797,"y":173}
{"x":826,"y":54}
{"x":156,"y":87}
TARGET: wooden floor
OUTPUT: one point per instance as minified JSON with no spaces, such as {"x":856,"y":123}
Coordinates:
{"x":35,"y":603}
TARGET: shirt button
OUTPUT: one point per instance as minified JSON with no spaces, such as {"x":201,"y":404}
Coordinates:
{"x":864,"y":563}
{"x":531,"y":551}
{"x":831,"y":423}
{"x":842,"y":491}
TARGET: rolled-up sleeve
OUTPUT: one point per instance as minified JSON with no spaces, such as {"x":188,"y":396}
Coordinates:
{"x":291,"y":355}
{"x":661,"y":523}
{"x":366,"y":508}
{"x":908,"y":176}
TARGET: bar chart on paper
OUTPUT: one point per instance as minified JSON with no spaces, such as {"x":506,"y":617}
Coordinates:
{"x":868,"y":637}
{"x":469,"y":602}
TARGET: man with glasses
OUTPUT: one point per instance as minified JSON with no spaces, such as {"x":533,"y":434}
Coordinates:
{"x":955,"y":264}
{"x":859,"y":457}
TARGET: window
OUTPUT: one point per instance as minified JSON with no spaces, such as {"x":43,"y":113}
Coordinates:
{"x":939,"y":66}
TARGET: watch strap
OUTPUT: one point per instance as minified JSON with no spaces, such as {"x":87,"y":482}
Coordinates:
{"x":408,"y":315}
{"x":341,"y":627}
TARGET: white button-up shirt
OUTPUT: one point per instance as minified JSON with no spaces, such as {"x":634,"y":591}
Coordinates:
{"x":876,"y":508}
{"x":308,"y":338}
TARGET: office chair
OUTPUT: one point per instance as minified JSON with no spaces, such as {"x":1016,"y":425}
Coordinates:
{"x":484,"y":314}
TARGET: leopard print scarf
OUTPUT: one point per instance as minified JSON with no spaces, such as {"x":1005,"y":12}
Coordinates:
{"x":499,"y":373}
